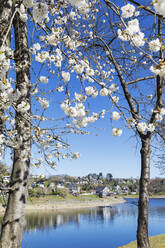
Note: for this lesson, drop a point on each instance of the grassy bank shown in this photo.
(81, 201)
(155, 242)
(68, 197)
(52, 202)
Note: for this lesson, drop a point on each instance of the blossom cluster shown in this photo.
(159, 69)
(5, 53)
(82, 5)
(159, 6)
(128, 10)
(132, 33)
(155, 45)
(142, 127)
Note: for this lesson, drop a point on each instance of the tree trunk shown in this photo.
(142, 232)
(13, 221)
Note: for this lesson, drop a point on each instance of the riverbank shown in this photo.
(155, 242)
(83, 202)
(58, 203)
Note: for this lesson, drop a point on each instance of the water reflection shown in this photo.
(47, 220)
(90, 227)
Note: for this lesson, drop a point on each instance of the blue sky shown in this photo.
(102, 152)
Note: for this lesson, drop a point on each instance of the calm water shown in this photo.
(106, 227)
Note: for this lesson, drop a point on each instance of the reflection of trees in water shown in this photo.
(157, 211)
(47, 220)
(127, 210)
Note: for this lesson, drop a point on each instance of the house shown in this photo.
(60, 185)
(5, 179)
(51, 185)
(133, 192)
(40, 185)
(74, 189)
(117, 188)
(102, 191)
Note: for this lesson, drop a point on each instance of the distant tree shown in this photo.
(109, 176)
(100, 176)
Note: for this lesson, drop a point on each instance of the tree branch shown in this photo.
(128, 96)
(140, 79)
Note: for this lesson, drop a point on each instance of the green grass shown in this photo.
(155, 242)
(69, 197)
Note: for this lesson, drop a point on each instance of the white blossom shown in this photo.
(43, 102)
(44, 79)
(95, 93)
(115, 116)
(159, 69)
(158, 117)
(60, 89)
(82, 5)
(151, 127)
(23, 107)
(40, 12)
(138, 39)
(89, 71)
(162, 111)
(132, 33)
(115, 99)
(104, 92)
(113, 88)
(116, 132)
(2, 138)
(128, 10)
(133, 27)
(76, 155)
(42, 57)
(89, 90)
(65, 76)
(142, 126)
(78, 68)
(155, 45)
(159, 6)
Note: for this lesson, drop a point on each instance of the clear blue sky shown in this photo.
(102, 153)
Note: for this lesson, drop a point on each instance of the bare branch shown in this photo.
(122, 80)
(140, 79)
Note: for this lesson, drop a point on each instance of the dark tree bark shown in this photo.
(13, 221)
(142, 232)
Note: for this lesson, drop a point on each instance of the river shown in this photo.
(107, 227)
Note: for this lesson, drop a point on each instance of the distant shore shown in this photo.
(56, 205)
(53, 204)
